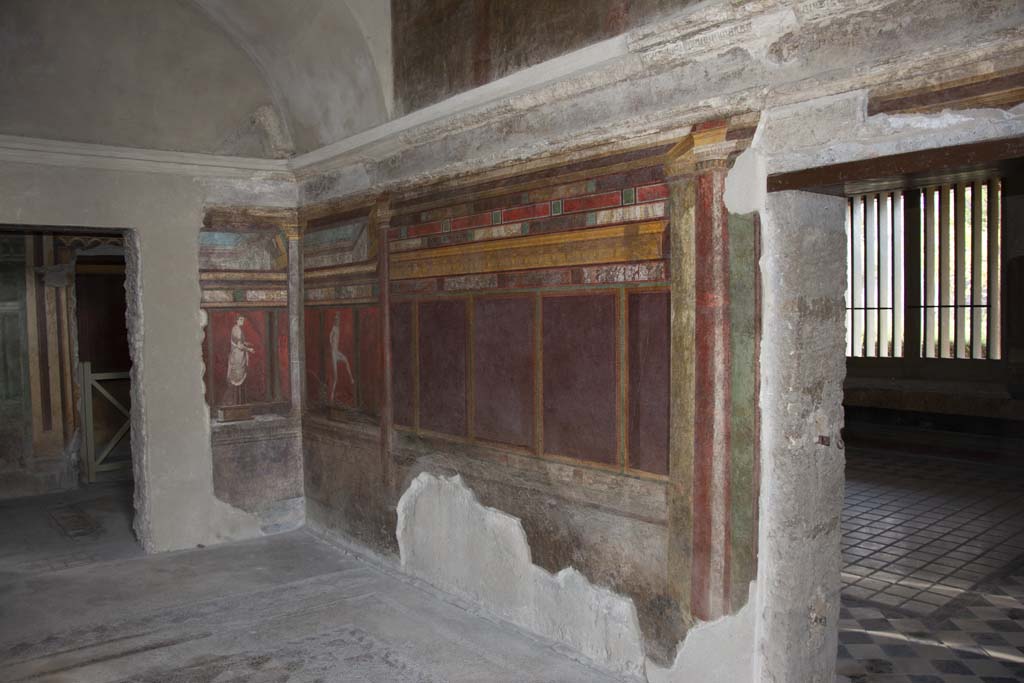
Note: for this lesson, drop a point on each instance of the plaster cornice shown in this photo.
(17, 149)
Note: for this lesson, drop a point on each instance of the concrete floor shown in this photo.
(81, 603)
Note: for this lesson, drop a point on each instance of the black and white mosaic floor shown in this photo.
(933, 578)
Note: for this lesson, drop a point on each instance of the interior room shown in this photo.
(459, 340)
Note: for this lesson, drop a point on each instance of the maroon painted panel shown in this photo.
(314, 356)
(102, 334)
(402, 364)
(580, 377)
(503, 370)
(649, 377)
(240, 360)
(281, 329)
(442, 358)
(370, 366)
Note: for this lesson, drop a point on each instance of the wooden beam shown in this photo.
(912, 169)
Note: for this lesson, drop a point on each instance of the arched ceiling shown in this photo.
(318, 58)
(262, 78)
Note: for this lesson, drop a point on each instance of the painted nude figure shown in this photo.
(238, 359)
(337, 356)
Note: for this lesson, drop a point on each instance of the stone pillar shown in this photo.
(701, 409)
(296, 342)
(802, 369)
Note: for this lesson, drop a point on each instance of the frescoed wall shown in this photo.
(257, 460)
(243, 262)
(532, 313)
(342, 321)
(529, 344)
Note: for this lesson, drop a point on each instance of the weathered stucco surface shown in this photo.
(802, 366)
(448, 539)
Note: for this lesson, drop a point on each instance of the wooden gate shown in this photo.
(112, 457)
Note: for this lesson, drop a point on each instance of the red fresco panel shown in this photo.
(580, 377)
(503, 370)
(281, 327)
(651, 193)
(314, 357)
(596, 201)
(442, 358)
(402, 364)
(247, 366)
(424, 229)
(526, 212)
(474, 221)
(649, 372)
(370, 366)
(337, 339)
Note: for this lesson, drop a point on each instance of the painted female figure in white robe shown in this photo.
(337, 357)
(238, 359)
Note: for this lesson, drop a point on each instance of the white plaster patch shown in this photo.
(447, 538)
(720, 650)
(746, 185)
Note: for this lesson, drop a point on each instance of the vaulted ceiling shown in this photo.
(264, 78)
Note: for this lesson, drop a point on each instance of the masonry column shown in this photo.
(803, 363)
(296, 348)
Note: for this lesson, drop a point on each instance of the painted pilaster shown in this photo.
(296, 343)
(712, 378)
(700, 505)
(380, 224)
(681, 176)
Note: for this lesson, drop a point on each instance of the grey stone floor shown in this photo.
(79, 602)
(933, 578)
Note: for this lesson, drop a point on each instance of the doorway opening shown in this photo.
(66, 396)
(932, 566)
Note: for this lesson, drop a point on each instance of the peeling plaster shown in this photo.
(447, 538)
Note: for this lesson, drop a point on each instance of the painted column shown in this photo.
(713, 381)
(296, 347)
(680, 173)
(700, 505)
(381, 223)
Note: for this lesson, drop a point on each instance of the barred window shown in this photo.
(924, 275)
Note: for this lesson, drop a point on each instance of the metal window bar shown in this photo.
(957, 314)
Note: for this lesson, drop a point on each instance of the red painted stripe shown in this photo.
(424, 229)
(475, 221)
(526, 212)
(594, 201)
(394, 234)
(651, 193)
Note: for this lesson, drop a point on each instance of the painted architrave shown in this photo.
(615, 244)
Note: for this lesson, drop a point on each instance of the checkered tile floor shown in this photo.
(933, 579)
